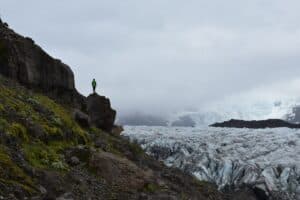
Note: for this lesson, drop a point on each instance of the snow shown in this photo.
(264, 158)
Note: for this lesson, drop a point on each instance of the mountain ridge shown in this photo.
(256, 124)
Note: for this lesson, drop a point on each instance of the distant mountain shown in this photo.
(269, 123)
(184, 121)
(139, 119)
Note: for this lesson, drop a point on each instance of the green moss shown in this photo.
(115, 145)
(54, 132)
(60, 146)
(63, 118)
(111, 144)
(206, 188)
(30, 190)
(135, 149)
(20, 109)
(2, 108)
(45, 157)
(60, 113)
(13, 102)
(56, 120)
(3, 124)
(184, 196)
(37, 155)
(11, 173)
(19, 131)
(151, 188)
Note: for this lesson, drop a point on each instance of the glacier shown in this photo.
(264, 159)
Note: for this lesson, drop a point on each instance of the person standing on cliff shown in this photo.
(94, 85)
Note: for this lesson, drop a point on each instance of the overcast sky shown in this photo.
(167, 55)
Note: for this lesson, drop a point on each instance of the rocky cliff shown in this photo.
(100, 112)
(24, 61)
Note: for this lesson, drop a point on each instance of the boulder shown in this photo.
(81, 118)
(66, 196)
(52, 183)
(101, 143)
(81, 153)
(37, 131)
(117, 130)
(74, 161)
(100, 112)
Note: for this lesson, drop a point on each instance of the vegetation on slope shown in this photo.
(39, 128)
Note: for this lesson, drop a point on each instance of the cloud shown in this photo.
(163, 56)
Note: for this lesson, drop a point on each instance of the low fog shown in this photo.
(163, 57)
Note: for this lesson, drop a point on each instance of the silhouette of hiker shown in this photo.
(94, 85)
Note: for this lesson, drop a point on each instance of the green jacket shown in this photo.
(94, 83)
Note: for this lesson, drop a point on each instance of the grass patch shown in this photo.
(12, 174)
(44, 156)
(3, 124)
(18, 105)
(62, 118)
(135, 149)
(18, 131)
(151, 188)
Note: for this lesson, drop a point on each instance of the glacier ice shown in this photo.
(268, 159)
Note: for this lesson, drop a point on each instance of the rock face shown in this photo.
(81, 118)
(270, 123)
(294, 117)
(100, 112)
(22, 60)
